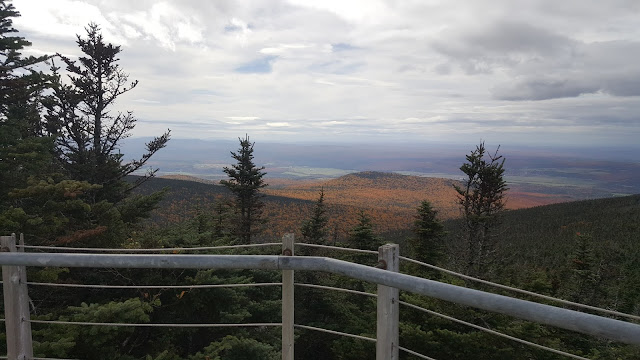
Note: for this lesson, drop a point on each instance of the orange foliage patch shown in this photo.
(389, 199)
(390, 192)
(80, 235)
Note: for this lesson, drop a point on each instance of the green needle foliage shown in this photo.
(428, 243)
(88, 130)
(481, 199)
(35, 198)
(314, 229)
(362, 235)
(245, 182)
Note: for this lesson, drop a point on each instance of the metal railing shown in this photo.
(387, 277)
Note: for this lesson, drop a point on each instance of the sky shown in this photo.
(503, 71)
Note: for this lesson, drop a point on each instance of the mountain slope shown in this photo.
(371, 189)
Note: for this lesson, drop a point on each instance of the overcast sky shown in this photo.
(531, 72)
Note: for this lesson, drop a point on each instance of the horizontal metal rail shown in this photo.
(493, 332)
(190, 287)
(157, 250)
(521, 291)
(545, 314)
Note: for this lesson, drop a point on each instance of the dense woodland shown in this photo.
(64, 183)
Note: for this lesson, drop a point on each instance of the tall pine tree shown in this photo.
(35, 199)
(362, 235)
(88, 133)
(245, 181)
(314, 229)
(426, 245)
(23, 151)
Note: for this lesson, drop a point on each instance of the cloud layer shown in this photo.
(460, 70)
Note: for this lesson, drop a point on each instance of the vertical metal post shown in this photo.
(287, 301)
(387, 334)
(16, 306)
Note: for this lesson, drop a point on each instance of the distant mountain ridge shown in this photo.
(562, 174)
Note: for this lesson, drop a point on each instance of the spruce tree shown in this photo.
(426, 245)
(362, 235)
(35, 199)
(23, 151)
(314, 229)
(585, 271)
(245, 181)
(20, 81)
(88, 131)
(88, 134)
(481, 199)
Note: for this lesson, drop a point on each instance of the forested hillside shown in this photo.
(583, 251)
(535, 245)
(541, 247)
(389, 198)
(285, 209)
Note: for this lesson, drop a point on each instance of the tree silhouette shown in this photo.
(314, 229)
(481, 198)
(245, 182)
(89, 133)
(426, 245)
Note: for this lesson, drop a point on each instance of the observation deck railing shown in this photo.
(18, 323)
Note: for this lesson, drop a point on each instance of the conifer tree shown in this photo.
(426, 245)
(88, 131)
(69, 184)
(20, 81)
(245, 181)
(23, 152)
(584, 269)
(88, 134)
(362, 235)
(314, 229)
(34, 198)
(481, 198)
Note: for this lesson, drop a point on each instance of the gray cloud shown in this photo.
(501, 44)
(623, 85)
(601, 67)
(443, 69)
(542, 89)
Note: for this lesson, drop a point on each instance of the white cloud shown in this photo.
(410, 69)
(284, 48)
(63, 18)
(357, 11)
(162, 22)
(145, 101)
(241, 118)
(324, 82)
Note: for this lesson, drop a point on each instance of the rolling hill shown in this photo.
(389, 198)
(535, 245)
